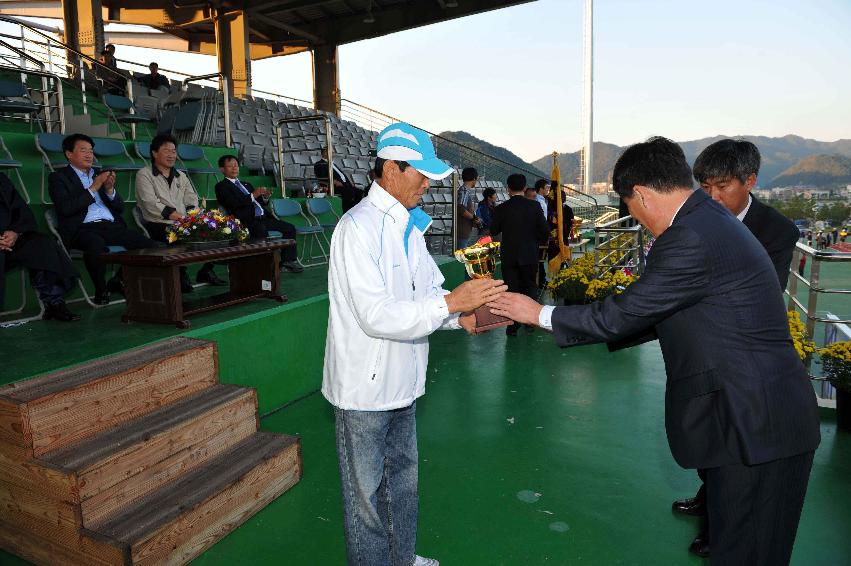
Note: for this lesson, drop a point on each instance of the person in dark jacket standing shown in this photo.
(523, 228)
(727, 171)
(738, 402)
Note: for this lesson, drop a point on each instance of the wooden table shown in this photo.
(152, 279)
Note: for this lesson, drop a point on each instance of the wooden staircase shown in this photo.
(138, 458)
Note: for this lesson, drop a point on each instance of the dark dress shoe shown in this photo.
(208, 276)
(59, 312)
(700, 545)
(292, 266)
(102, 298)
(692, 506)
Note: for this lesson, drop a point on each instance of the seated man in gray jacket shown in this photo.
(164, 195)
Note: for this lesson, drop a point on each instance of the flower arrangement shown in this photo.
(583, 281)
(803, 345)
(837, 364)
(206, 226)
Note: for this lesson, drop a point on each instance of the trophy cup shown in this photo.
(480, 262)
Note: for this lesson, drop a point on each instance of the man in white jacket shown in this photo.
(386, 297)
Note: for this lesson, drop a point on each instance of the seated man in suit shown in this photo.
(727, 170)
(738, 403)
(523, 227)
(245, 202)
(164, 195)
(88, 209)
(349, 194)
(21, 245)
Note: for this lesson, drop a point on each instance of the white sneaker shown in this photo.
(422, 561)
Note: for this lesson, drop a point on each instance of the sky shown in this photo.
(513, 77)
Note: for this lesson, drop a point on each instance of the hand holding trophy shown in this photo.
(480, 263)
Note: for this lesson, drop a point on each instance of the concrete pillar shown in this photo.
(84, 26)
(234, 52)
(326, 79)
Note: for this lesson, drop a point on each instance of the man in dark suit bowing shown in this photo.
(738, 403)
(727, 171)
(522, 227)
(245, 202)
(88, 209)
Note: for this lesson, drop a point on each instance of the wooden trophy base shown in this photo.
(486, 320)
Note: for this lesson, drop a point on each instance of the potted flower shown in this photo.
(204, 229)
(803, 345)
(836, 360)
(571, 283)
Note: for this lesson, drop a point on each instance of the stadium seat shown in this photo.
(9, 162)
(15, 99)
(291, 211)
(119, 109)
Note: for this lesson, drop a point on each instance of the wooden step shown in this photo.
(61, 408)
(120, 466)
(181, 520)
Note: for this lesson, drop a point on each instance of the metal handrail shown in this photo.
(620, 226)
(817, 257)
(225, 98)
(328, 145)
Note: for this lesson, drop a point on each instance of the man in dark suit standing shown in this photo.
(88, 209)
(523, 227)
(727, 171)
(245, 202)
(738, 403)
(343, 186)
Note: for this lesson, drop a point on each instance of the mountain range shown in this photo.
(787, 160)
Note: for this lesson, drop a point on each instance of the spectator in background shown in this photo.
(21, 245)
(89, 213)
(802, 264)
(164, 195)
(523, 227)
(155, 80)
(484, 212)
(465, 215)
(535, 194)
(343, 186)
(114, 80)
(245, 202)
(111, 61)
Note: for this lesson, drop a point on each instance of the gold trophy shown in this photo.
(480, 262)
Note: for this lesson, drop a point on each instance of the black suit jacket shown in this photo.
(71, 201)
(737, 391)
(523, 227)
(776, 233)
(349, 194)
(238, 203)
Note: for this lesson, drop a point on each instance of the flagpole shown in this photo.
(588, 154)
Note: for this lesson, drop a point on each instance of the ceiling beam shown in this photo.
(284, 27)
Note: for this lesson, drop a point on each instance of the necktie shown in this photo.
(258, 210)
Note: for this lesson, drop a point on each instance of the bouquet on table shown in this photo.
(201, 225)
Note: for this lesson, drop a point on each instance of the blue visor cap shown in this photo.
(403, 142)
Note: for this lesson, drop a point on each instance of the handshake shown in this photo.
(494, 296)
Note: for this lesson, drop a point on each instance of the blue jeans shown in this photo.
(377, 451)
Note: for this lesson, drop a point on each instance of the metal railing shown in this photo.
(279, 133)
(51, 86)
(621, 243)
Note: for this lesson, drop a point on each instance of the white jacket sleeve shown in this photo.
(377, 311)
